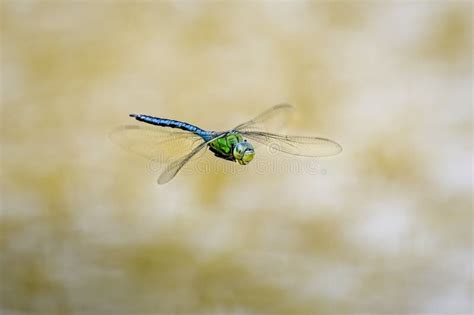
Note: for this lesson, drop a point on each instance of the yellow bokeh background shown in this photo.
(384, 227)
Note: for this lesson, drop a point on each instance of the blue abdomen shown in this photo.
(163, 122)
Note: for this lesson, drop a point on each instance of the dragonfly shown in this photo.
(174, 143)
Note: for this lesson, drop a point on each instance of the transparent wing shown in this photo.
(155, 143)
(295, 145)
(271, 120)
(173, 168)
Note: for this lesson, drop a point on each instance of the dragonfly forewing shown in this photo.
(296, 145)
(271, 120)
(175, 166)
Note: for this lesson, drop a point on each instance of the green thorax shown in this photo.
(224, 146)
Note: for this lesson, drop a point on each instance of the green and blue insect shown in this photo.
(177, 147)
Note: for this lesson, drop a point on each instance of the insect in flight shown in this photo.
(178, 146)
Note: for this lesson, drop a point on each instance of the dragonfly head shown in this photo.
(244, 152)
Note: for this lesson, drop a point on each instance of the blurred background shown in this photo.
(384, 227)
